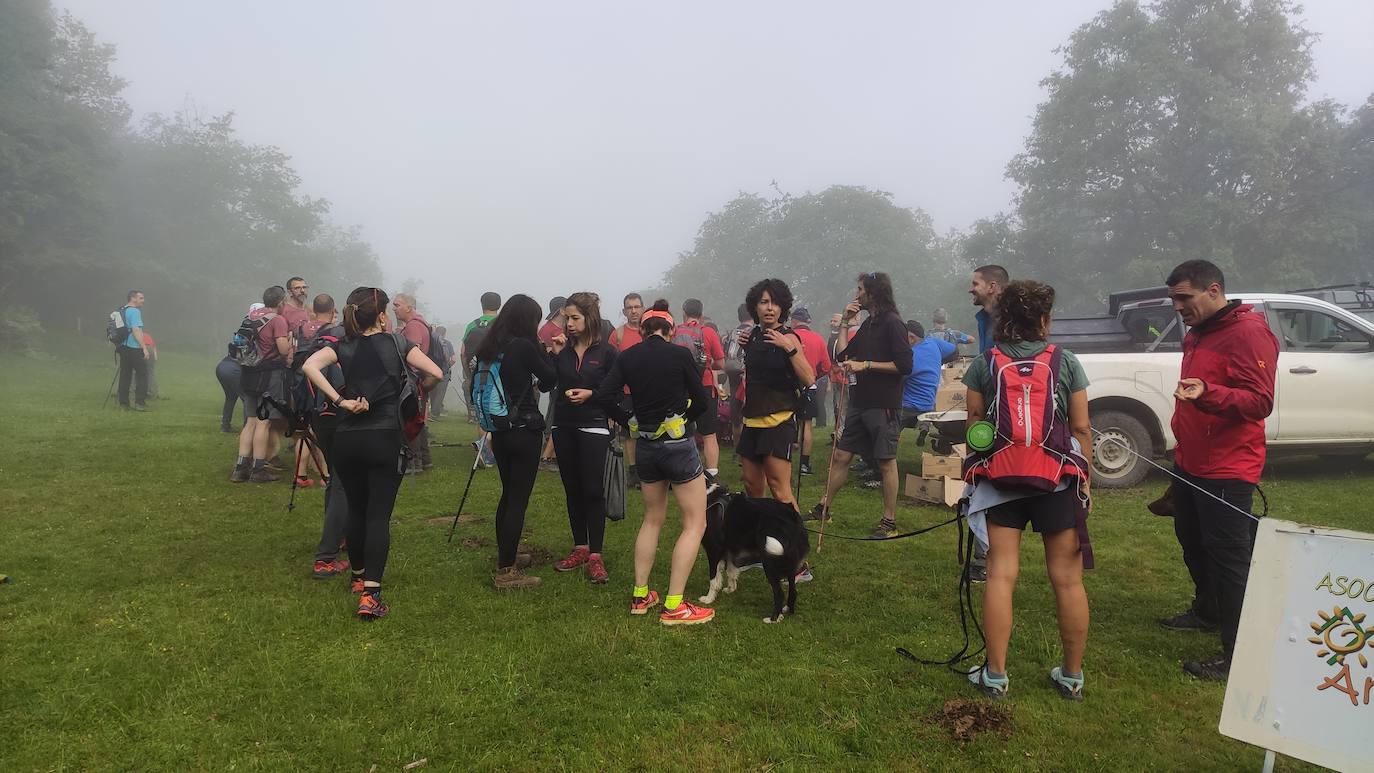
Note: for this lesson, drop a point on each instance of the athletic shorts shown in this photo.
(871, 433)
(758, 443)
(706, 422)
(266, 383)
(675, 461)
(808, 407)
(1046, 513)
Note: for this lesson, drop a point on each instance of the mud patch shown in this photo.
(966, 719)
(474, 542)
(445, 520)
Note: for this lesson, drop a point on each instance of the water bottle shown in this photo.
(852, 379)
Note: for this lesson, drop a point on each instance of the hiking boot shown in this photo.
(1213, 669)
(371, 606)
(355, 586)
(884, 529)
(262, 475)
(1069, 688)
(977, 574)
(641, 606)
(241, 473)
(576, 558)
(512, 578)
(993, 688)
(1188, 621)
(806, 468)
(596, 570)
(140, 407)
(818, 513)
(873, 484)
(326, 569)
(686, 613)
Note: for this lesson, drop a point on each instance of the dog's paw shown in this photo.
(707, 599)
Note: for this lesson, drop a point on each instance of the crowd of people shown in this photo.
(674, 389)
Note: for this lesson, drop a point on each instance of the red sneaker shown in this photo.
(356, 586)
(641, 606)
(576, 558)
(596, 570)
(686, 614)
(326, 569)
(303, 481)
(371, 606)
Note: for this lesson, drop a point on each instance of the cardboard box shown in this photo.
(950, 397)
(938, 490)
(933, 466)
(953, 373)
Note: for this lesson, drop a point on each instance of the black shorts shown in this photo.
(675, 461)
(758, 443)
(871, 433)
(809, 405)
(706, 422)
(1046, 513)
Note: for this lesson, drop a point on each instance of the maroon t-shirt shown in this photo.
(417, 332)
(276, 327)
(294, 317)
(549, 332)
(311, 328)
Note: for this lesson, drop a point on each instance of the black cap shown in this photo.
(556, 305)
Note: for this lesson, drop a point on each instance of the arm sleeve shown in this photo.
(1250, 396)
(539, 364)
(715, 353)
(898, 345)
(946, 348)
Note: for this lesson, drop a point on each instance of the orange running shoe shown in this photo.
(371, 606)
(357, 585)
(326, 569)
(686, 614)
(642, 606)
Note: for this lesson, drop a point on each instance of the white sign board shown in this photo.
(1302, 678)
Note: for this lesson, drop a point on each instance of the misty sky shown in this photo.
(553, 147)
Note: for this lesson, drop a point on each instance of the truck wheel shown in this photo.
(1117, 438)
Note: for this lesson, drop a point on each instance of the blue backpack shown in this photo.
(489, 398)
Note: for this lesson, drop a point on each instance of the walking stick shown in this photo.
(115, 378)
(840, 414)
(476, 460)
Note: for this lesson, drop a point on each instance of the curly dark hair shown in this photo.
(777, 290)
(1021, 310)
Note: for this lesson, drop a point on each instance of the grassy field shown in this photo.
(160, 618)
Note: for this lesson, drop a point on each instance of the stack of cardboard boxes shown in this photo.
(941, 479)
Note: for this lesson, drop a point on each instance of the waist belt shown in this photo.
(673, 428)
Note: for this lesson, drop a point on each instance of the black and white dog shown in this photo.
(741, 531)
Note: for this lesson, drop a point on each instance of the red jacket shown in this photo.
(1221, 434)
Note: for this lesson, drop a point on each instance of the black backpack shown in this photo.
(117, 329)
(243, 346)
(436, 350)
(307, 399)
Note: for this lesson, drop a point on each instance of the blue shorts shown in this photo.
(675, 461)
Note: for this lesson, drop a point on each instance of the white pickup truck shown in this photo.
(1324, 395)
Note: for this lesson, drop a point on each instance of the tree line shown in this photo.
(179, 206)
(1172, 130)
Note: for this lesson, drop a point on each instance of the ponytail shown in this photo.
(365, 305)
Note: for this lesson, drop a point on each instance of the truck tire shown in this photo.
(1113, 465)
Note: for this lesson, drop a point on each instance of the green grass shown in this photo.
(160, 618)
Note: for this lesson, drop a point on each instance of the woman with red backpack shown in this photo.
(1029, 401)
(367, 451)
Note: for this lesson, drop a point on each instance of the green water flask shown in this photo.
(981, 435)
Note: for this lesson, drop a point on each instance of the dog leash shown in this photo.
(1263, 499)
(955, 519)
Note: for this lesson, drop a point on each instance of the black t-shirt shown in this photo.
(371, 368)
(522, 362)
(880, 339)
(662, 378)
(587, 374)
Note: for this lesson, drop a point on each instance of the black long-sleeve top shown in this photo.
(523, 360)
(585, 373)
(662, 378)
(880, 339)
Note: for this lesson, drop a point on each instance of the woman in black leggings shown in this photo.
(513, 343)
(581, 434)
(368, 442)
(230, 376)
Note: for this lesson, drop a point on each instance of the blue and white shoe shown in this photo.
(1069, 688)
(993, 688)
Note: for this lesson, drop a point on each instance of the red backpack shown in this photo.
(1032, 448)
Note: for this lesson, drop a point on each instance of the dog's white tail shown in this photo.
(772, 547)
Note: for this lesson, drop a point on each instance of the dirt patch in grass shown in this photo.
(445, 520)
(965, 719)
(474, 542)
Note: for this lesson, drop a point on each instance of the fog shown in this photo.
(545, 148)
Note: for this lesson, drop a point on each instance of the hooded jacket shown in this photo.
(1221, 434)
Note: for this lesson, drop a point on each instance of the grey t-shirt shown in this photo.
(1071, 375)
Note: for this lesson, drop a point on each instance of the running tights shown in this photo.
(517, 460)
(365, 462)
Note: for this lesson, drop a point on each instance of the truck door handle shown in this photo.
(1303, 371)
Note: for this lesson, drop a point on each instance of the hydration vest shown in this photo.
(1032, 449)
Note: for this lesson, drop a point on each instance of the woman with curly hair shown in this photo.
(1044, 485)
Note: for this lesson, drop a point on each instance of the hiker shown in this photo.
(817, 354)
(581, 432)
(472, 338)
(623, 338)
(436, 400)
(296, 312)
(415, 329)
(734, 370)
(367, 451)
(704, 345)
(940, 329)
(1225, 391)
(985, 287)
(1003, 501)
(133, 355)
(928, 353)
(324, 421)
(513, 348)
(265, 391)
(229, 375)
(322, 316)
(666, 393)
(151, 363)
(879, 358)
(551, 329)
(775, 372)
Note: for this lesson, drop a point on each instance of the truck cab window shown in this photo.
(1310, 330)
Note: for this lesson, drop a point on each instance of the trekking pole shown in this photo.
(840, 412)
(113, 379)
(476, 460)
(302, 443)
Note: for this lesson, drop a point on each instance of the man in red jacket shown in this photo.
(1225, 391)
